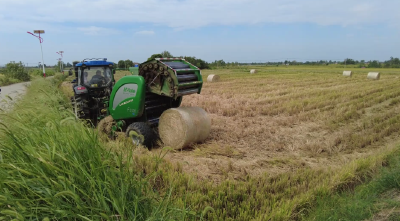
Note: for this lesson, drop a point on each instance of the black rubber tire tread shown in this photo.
(144, 129)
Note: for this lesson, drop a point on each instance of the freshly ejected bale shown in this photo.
(212, 78)
(373, 75)
(182, 126)
(253, 71)
(347, 73)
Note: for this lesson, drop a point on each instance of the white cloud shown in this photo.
(94, 30)
(145, 33)
(199, 13)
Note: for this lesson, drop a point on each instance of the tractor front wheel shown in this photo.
(141, 133)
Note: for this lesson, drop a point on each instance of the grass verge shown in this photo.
(33, 73)
(379, 197)
(4, 81)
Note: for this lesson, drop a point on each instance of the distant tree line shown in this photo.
(166, 54)
(392, 63)
(125, 64)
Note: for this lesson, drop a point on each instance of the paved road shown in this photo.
(14, 91)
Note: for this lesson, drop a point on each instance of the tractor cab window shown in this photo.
(96, 76)
(79, 76)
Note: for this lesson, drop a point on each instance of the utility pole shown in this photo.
(62, 65)
(40, 41)
(59, 63)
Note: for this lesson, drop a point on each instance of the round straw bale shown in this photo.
(183, 126)
(213, 78)
(373, 75)
(347, 73)
(253, 71)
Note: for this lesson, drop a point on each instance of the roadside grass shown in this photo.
(54, 167)
(33, 73)
(367, 200)
(4, 81)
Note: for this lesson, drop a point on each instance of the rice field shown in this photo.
(284, 137)
(285, 119)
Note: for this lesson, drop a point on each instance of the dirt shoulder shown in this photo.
(12, 91)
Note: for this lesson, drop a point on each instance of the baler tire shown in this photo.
(142, 129)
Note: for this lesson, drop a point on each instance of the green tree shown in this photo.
(349, 61)
(374, 64)
(166, 54)
(197, 62)
(128, 63)
(121, 64)
(392, 63)
(57, 67)
(154, 56)
(16, 71)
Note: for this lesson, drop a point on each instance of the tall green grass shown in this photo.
(52, 166)
(39, 72)
(365, 200)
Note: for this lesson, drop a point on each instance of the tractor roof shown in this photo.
(93, 62)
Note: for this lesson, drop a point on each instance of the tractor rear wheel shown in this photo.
(141, 133)
(76, 105)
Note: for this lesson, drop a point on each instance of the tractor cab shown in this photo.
(95, 74)
(92, 89)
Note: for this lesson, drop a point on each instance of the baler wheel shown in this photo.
(141, 133)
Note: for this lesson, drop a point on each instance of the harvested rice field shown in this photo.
(286, 118)
(280, 140)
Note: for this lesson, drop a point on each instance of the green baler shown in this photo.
(138, 100)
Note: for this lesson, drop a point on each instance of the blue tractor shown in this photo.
(92, 89)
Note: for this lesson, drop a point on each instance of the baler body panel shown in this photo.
(127, 98)
(171, 77)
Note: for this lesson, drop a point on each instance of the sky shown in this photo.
(232, 30)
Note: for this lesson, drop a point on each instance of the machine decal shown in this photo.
(131, 110)
(123, 93)
(126, 102)
(129, 91)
